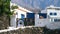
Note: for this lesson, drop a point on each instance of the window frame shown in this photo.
(54, 20)
(51, 13)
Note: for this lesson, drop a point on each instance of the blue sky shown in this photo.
(41, 4)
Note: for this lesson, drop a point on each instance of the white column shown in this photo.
(36, 19)
(13, 21)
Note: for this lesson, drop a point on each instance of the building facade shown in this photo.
(19, 14)
(53, 13)
(50, 18)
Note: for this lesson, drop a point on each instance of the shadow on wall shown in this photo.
(29, 22)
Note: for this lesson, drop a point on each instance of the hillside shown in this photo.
(39, 4)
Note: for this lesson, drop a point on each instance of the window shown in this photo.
(55, 13)
(56, 20)
(22, 16)
(52, 20)
(42, 15)
(51, 13)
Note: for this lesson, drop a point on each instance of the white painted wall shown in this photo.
(52, 24)
(18, 15)
(13, 21)
(53, 11)
(47, 22)
(20, 10)
(40, 22)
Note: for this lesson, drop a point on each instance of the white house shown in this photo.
(53, 13)
(49, 17)
(19, 13)
(53, 18)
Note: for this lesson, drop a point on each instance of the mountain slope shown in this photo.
(40, 4)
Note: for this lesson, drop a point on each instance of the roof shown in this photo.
(21, 8)
(53, 7)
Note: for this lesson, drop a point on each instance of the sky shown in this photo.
(40, 4)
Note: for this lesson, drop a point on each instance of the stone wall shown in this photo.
(24, 31)
(4, 22)
(33, 30)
